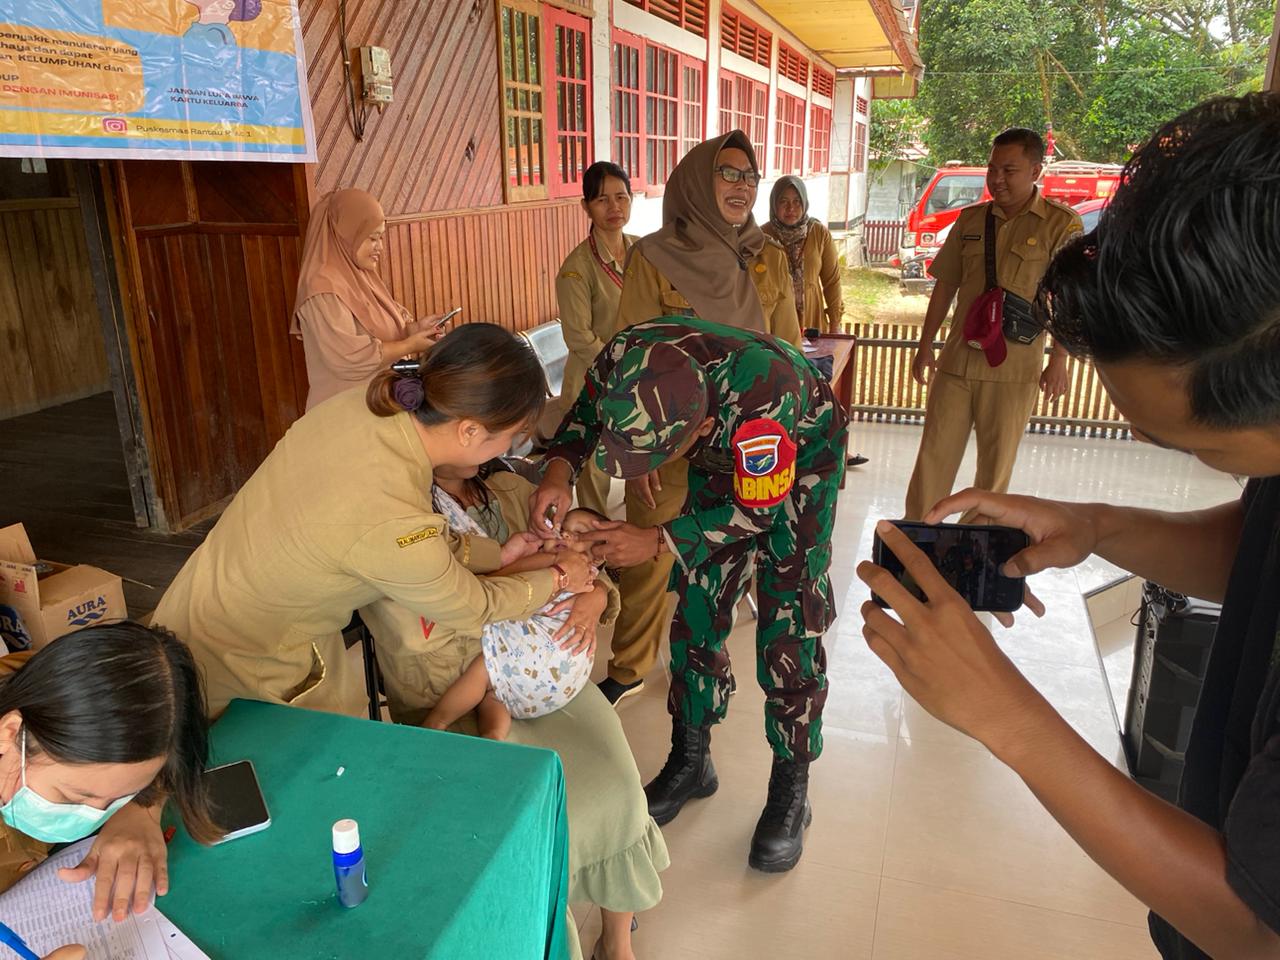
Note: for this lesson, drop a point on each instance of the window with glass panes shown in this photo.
(661, 112)
(628, 89)
(520, 26)
(659, 104)
(819, 139)
(693, 125)
(789, 142)
(748, 112)
(568, 63)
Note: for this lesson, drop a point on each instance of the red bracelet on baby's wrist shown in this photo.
(562, 577)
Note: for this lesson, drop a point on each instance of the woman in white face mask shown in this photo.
(97, 730)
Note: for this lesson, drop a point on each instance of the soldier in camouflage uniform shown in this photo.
(765, 442)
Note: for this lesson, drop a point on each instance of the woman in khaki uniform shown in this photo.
(350, 325)
(588, 289)
(99, 729)
(709, 260)
(616, 851)
(812, 260)
(339, 515)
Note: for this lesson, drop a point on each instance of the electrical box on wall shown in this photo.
(375, 75)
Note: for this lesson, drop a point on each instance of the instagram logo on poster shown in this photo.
(115, 125)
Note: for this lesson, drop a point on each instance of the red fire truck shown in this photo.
(955, 186)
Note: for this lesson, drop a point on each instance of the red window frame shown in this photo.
(661, 112)
(819, 139)
(749, 110)
(824, 82)
(567, 76)
(659, 98)
(862, 106)
(688, 15)
(792, 64)
(789, 142)
(745, 37)
(693, 102)
(859, 147)
(627, 87)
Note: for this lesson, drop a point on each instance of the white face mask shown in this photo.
(51, 822)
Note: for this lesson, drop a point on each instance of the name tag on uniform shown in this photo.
(409, 539)
(972, 236)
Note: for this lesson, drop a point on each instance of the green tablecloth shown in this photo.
(465, 843)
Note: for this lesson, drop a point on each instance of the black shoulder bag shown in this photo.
(1019, 320)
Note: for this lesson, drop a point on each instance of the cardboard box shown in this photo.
(38, 607)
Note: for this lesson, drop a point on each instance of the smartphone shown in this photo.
(968, 556)
(448, 316)
(238, 807)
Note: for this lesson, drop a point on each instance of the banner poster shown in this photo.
(154, 79)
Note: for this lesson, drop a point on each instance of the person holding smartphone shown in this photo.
(1175, 296)
(350, 325)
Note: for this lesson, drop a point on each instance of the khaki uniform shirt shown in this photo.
(823, 295)
(340, 353)
(1024, 246)
(19, 854)
(588, 301)
(647, 294)
(426, 658)
(338, 515)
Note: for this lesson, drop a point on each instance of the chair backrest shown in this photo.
(547, 340)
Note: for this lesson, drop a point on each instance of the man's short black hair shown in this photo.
(1183, 265)
(1031, 142)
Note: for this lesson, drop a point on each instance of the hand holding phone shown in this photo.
(447, 317)
(969, 557)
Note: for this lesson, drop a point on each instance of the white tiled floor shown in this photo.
(923, 846)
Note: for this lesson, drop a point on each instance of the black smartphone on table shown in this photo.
(969, 557)
(235, 798)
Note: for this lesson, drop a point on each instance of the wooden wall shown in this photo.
(217, 248)
(499, 265)
(437, 147)
(433, 159)
(51, 347)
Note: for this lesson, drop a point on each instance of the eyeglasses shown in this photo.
(733, 175)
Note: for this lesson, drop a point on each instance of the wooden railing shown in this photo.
(881, 238)
(884, 390)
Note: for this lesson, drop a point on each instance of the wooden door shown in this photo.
(211, 255)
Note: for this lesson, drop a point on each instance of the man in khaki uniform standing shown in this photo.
(966, 393)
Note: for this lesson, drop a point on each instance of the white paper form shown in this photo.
(49, 913)
(178, 943)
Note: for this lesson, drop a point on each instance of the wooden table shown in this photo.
(840, 347)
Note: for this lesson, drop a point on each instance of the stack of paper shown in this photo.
(49, 913)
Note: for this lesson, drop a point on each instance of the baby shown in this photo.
(522, 670)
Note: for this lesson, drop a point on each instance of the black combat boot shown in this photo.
(688, 773)
(779, 838)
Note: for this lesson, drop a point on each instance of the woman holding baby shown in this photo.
(341, 515)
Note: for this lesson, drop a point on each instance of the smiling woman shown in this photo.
(350, 325)
(709, 260)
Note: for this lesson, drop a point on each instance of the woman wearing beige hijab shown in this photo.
(349, 324)
(709, 260)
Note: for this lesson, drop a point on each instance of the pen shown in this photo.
(16, 944)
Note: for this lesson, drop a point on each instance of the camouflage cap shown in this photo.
(652, 401)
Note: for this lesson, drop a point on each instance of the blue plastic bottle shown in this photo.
(348, 864)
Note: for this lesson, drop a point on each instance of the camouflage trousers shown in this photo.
(790, 562)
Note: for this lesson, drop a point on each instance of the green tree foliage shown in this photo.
(1104, 73)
